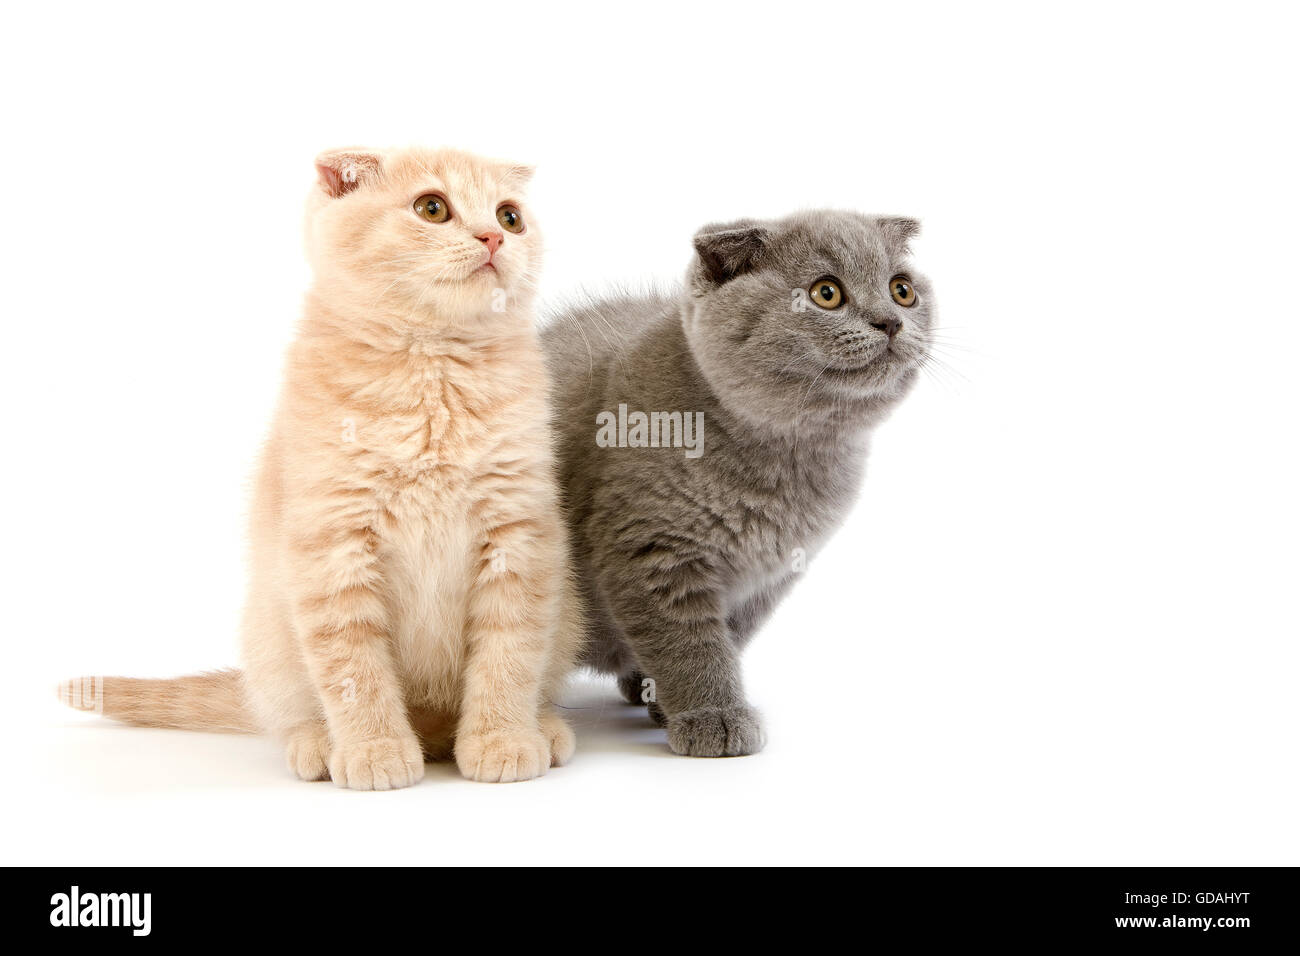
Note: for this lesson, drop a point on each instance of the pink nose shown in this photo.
(492, 240)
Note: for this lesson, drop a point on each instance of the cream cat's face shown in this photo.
(441, 232)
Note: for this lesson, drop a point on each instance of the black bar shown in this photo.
(1227, 909)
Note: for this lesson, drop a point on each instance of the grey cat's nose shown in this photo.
(889, 326)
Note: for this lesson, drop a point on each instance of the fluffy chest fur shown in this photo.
(416, 427)
(408, 442)
(754, 516)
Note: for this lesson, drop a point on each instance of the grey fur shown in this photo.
(681, 559)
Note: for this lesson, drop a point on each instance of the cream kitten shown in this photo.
(410, 586)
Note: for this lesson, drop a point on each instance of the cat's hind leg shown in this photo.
(630, 685)
(559, 735)
(280, 691)
(636, 688)
(307, 750)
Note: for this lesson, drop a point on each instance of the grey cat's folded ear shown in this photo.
(899, 230)
(727, 251)
(342, 170)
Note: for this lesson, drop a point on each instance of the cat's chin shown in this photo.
(488, 274)
(484, 287)
(485, 276)
(877, 362)
(881, 372)
(481, 302)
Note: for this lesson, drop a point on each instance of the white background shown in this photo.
(1060, 627)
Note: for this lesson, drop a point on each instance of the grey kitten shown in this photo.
(792, 339)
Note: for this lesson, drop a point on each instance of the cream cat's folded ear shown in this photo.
(518, 174)
(342, 170)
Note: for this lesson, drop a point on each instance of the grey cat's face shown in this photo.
(791, 316)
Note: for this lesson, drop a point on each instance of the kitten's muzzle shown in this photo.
(890, 325)
(492, 239)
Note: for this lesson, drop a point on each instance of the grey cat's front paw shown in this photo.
(715, 732)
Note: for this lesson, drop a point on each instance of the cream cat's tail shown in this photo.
(213, 701)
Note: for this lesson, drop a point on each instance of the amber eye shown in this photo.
(433, 208)
(827, 293)
(511, 218)
(901, 289)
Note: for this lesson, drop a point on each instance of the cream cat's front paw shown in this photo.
(715, 732)
(380, 763)
(503, 756)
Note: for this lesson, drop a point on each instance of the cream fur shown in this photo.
(409, 589)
